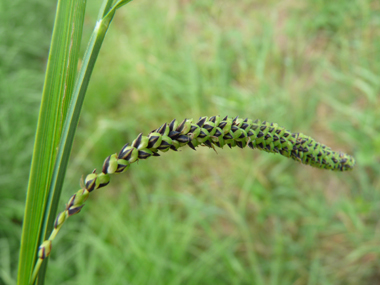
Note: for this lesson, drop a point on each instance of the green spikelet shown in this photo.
(210, 132)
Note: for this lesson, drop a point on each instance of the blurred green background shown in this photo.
(236, 217)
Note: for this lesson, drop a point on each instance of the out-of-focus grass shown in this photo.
(236, 217)
(25, 29)
(239, 216)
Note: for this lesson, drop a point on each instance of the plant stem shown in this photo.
(71, 123)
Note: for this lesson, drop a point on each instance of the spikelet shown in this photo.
(210, 132)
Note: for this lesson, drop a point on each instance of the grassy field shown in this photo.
(232, 217)
(25, 29)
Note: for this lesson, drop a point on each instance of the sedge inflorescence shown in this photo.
(212, 132)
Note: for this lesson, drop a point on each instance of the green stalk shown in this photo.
(58, 86)
(71, 124)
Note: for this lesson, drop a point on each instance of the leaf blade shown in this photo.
(56, 95)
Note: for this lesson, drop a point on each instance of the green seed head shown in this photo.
(175, 145)
(91, 182)
(218, 119)
(165, 144)
(204, 135)
(103, 179)
(144, 153)
(44, 249)
(122, 165)
(186, 127)
(228, 126)
(210, 127)
(80, 197)
(61, 218)
(155, 140)
(73, 210)
(128, 153)
(110, 164)
(173, 125)
(208, 132)
(140, 142)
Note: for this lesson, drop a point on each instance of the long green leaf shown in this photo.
(59, 82)
(105, 17)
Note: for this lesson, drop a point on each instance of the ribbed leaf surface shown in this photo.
(58, 86)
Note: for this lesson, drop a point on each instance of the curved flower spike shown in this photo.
(210, 132)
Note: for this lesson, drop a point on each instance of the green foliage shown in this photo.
(59, 115)
(25, 29)
(56, 97)
(234, 218)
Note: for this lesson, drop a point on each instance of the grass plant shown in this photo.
(236, 218)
